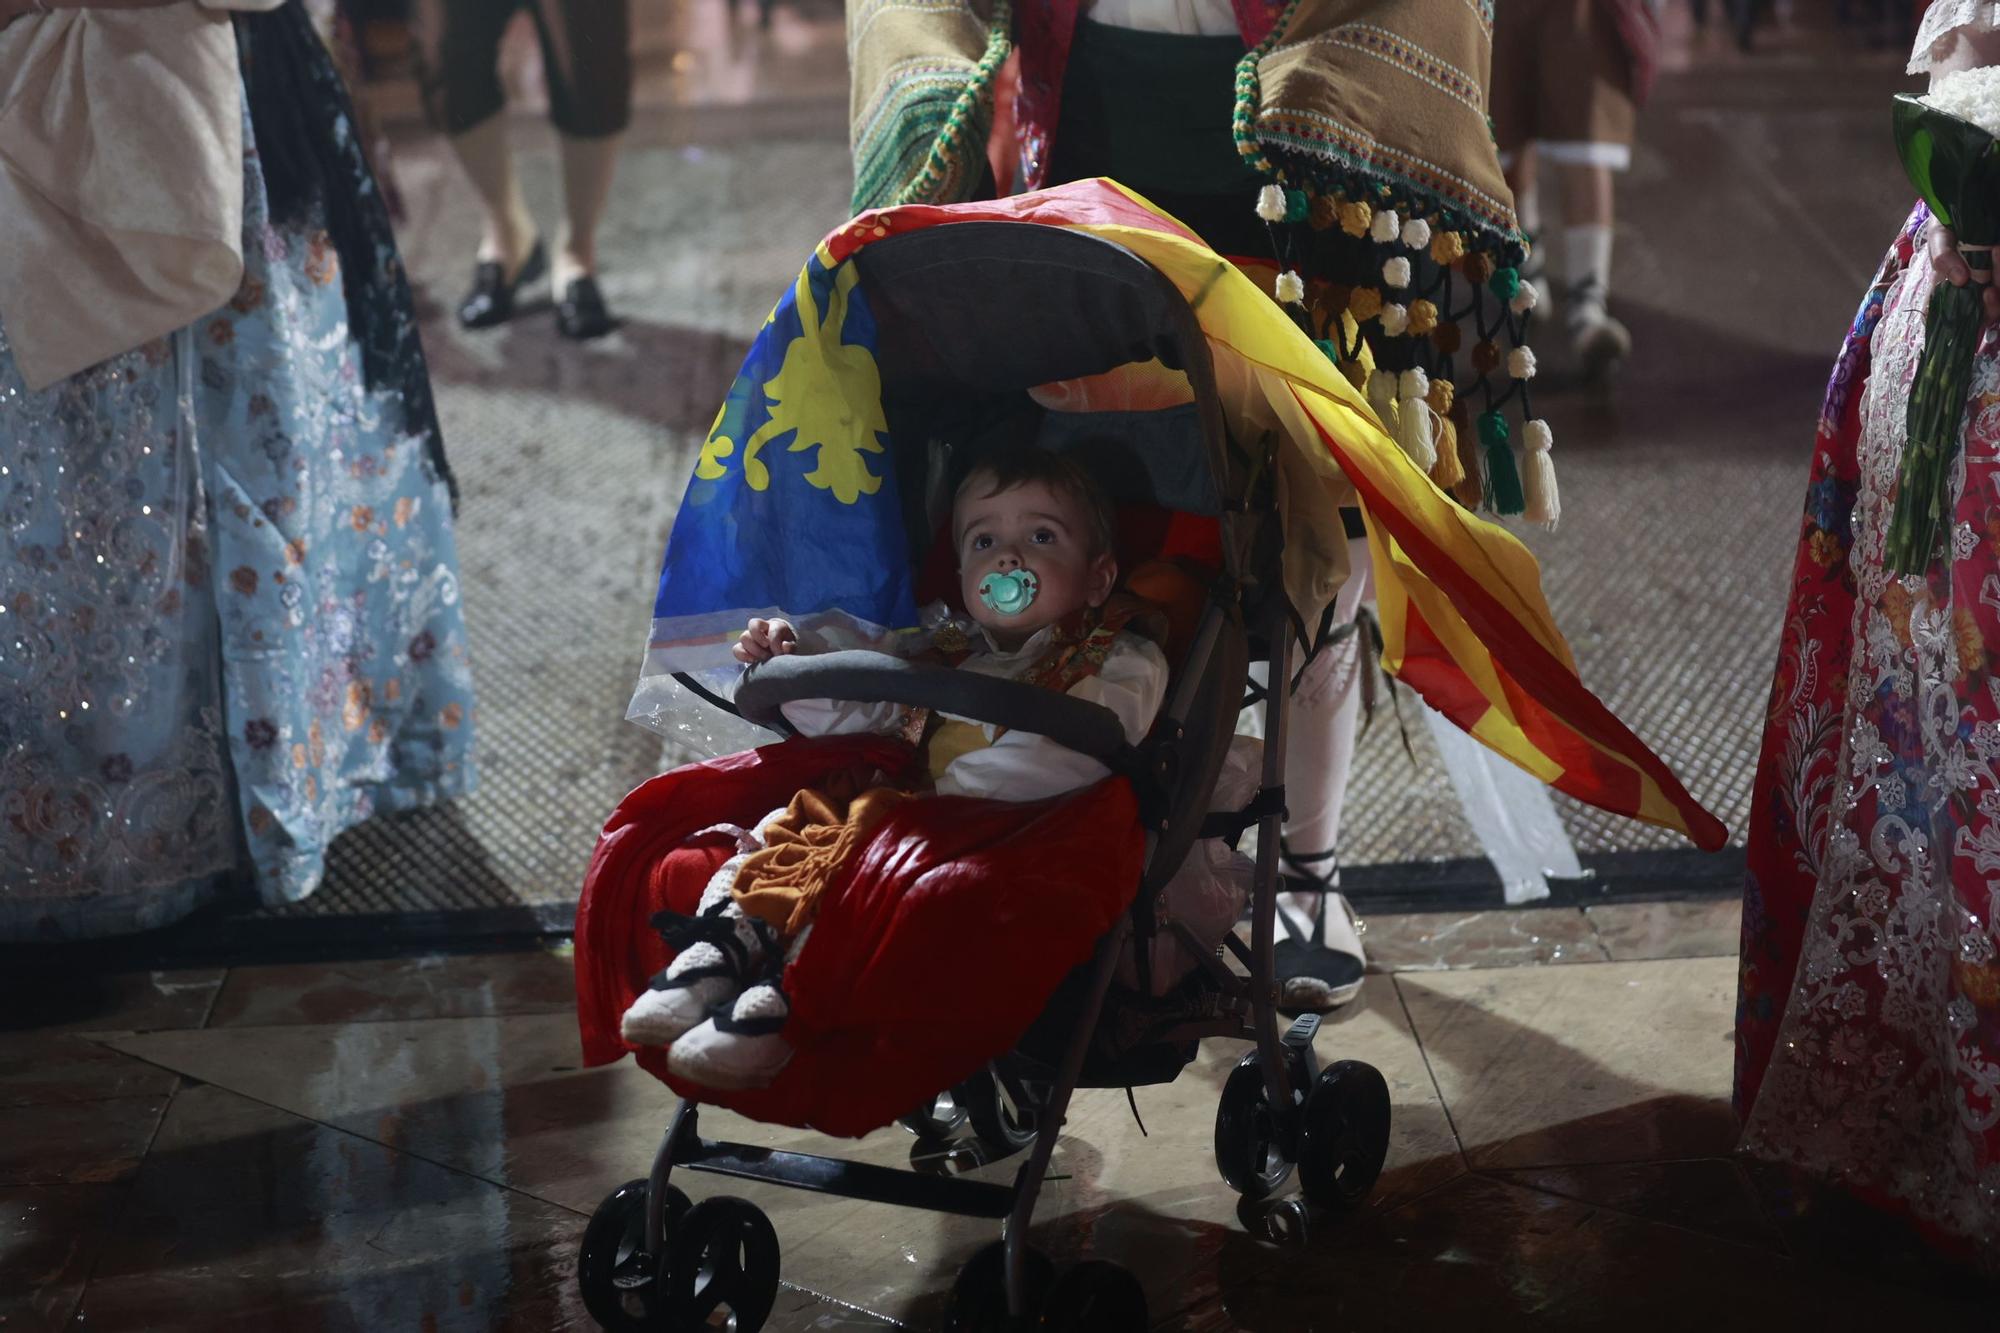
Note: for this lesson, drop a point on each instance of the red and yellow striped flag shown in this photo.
(1463, 617)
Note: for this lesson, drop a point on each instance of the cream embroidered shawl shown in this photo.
(121, 179)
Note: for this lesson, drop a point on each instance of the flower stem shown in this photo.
(1936, 413)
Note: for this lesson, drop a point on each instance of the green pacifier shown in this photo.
(1011, 593)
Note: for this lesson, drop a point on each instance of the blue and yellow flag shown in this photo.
(792, 509)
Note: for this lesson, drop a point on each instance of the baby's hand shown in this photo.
(764, 640)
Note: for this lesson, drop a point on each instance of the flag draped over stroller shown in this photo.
(795, 507)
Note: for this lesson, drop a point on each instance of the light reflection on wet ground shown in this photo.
(410, 1144)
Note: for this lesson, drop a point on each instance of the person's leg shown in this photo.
(1320, 959)
(507, 230)
(1326, 713)
(587, 46)
(458, 52)
(1591, 119)
(1601, 340)
(587, 167)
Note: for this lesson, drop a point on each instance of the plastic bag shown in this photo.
(1211, 889)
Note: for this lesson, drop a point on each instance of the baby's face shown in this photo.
(1029, 527)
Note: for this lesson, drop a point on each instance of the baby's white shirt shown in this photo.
(1020, 765)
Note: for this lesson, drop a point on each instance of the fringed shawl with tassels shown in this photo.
(1368, 99)
(1395, 233)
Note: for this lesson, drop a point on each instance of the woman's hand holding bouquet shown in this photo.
(1948, 144)
(1950, 266)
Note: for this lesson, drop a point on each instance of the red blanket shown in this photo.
(936, 952)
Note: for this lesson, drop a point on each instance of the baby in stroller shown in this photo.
(1032, 536)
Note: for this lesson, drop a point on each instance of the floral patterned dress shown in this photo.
(229, 602)
(1868, 1033)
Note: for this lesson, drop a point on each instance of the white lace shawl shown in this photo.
(1942, 24)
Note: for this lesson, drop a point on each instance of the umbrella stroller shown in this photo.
(1082, 320)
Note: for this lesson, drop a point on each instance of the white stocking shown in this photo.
(1319, 742)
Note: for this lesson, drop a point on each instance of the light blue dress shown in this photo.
(229, 606)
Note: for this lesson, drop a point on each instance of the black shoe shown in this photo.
(582, 314)
(1316, 975)
(491, 300)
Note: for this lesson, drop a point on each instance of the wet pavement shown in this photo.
(410, 1144)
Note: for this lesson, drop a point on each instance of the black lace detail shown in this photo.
(316, 174)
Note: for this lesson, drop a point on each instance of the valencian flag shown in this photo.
(794, 510)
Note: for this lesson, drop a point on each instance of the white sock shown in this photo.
(1586, 271)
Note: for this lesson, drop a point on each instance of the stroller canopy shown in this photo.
(810, 500)
(970, 319)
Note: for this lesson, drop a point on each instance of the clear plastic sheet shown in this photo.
(1212, 888)
(691, 728)
(696, 728)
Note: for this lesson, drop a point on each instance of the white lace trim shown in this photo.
(1942, 24)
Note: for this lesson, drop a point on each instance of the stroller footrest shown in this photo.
(849, 1180)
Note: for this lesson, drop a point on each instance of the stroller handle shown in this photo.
(860, 676)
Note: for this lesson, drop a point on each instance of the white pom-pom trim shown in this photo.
(1537, 438)
(1521, 363)
(1291, 288)
(1271, 204)
(1416, 233)
(1396, 272)
(1386, 225)
(1524, 300)
(1413, 383)
(1395, 319)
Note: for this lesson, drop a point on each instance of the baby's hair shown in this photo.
(1004, 469)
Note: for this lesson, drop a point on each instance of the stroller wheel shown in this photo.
(1345, 1137)
(613, 1270)
(979, 1296)
(1251, 1139)
(999, 1125)
(723, 1256)
(1096, 1296)
(937, 1118)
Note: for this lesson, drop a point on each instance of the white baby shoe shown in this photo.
(738, 1047)
(718, 949)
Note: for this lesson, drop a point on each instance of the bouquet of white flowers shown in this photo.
(1949, 141)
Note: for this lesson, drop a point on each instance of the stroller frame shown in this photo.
(1278, 1108)
(684, 1147)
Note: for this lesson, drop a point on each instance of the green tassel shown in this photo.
(1332, 352)
(1503, 476)
(1297, 206)
(1505, 284)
